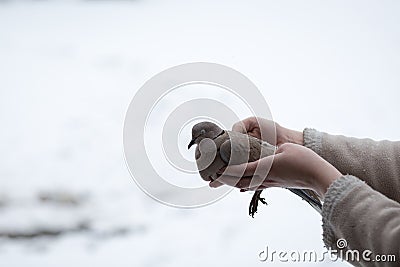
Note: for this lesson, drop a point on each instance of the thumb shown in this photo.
(240, 127)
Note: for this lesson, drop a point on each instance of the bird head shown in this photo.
(203, 130)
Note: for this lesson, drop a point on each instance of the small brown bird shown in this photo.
(217, 148)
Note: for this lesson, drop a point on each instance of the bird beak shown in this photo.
(191, 143)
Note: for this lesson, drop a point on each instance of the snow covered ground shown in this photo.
(68, 70)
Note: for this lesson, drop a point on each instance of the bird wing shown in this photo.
(225, 151)
(240, 148)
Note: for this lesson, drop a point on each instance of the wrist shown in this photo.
(325, 179)
(289, 136)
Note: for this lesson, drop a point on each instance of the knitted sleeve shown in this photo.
(358, 220)
(375, 162)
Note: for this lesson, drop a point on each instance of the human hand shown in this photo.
(293, 166)
(268, 131)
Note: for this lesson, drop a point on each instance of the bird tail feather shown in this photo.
(316, 204)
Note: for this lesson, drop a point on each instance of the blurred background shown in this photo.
(69, 69)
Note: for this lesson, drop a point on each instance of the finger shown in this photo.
(265, 129)
(255, 133)
(240, 127)
(215, 184)
(245, 169)
(265, 185)
(206, 178)
(260, 168)
(221, 171)
(243, 182)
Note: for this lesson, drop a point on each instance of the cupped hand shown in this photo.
(293, 166)
(268, 131)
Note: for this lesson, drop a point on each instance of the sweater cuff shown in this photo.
(313, 140)
(337, 191)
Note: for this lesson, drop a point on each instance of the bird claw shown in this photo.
(262, 200)
(253, 207)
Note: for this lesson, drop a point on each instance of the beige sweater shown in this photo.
(365, 211)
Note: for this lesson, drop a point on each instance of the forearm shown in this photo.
(366, 219)
(377, 163)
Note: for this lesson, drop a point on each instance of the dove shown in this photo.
(218, 148)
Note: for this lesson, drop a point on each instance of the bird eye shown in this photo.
(202, 131)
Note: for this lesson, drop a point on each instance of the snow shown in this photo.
(70, 68)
